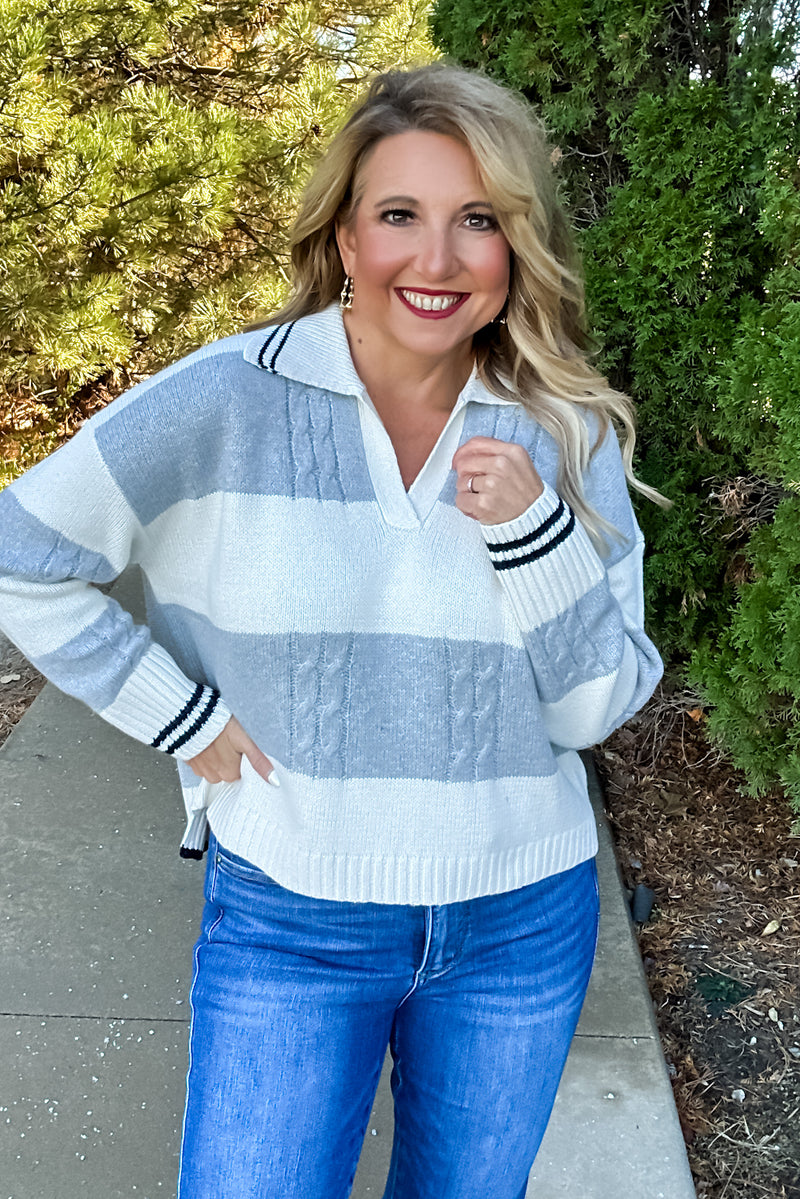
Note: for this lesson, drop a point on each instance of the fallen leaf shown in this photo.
(10, 678)
(696, 714)
(771, 928)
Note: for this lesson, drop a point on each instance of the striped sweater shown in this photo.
(420, 681)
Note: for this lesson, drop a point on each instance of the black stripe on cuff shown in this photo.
(179, 719)
(198, 724)
(496, 547)
(541, 550)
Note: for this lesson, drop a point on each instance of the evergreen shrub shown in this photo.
(150, 157)
(678, 137)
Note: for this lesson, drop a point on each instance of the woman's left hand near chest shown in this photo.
(496, 480)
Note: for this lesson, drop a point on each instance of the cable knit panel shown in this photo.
(333, 687)
(303, 676)
(460, 726)
(487, 674)
(313, 455)
(319, 689)
(573, 647)
(507, 428)
(306, 480)
(323, 445)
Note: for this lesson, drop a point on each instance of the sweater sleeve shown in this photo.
(581, 616)
(66, 527)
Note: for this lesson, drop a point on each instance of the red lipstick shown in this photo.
(431, 314)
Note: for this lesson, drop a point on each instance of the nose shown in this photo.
(437, 258)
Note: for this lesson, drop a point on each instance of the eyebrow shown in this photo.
(410, 201)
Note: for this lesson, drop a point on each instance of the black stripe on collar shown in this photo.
(286, 330)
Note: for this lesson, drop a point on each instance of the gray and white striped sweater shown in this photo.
(420, 681)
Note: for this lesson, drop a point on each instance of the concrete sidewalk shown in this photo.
(99, 918)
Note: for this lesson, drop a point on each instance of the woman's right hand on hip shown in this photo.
(221, 761)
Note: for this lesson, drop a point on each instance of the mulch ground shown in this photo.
(721, 950)
(19, 686)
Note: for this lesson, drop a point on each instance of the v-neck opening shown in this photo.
(408, 508)
(314, 351)
(428, 476)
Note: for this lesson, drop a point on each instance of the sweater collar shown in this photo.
(314, 350)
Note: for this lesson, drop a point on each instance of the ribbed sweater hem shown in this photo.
(406, 878)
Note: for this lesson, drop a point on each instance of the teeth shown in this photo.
(430, 303)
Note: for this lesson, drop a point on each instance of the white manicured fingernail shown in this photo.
(273, 779)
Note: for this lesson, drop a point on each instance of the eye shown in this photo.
(397, 216)
(481, 221)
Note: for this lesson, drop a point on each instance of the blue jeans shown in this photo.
(294, 1001)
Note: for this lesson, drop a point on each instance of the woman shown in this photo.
(393, 584)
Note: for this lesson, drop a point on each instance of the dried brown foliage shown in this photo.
(722, 951)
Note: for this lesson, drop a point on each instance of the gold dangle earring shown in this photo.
(500, 319)
(346, 298)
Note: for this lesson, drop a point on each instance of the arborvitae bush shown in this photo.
(678, 135)
(751, 672)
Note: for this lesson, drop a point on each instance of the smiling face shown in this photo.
(429, 263)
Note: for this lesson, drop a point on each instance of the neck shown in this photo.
(394, 375)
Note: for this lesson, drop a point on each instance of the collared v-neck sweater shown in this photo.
(420, 681)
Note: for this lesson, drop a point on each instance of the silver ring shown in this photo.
(469, 485)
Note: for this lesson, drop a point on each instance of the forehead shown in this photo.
(419, 159)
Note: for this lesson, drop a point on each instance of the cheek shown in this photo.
(489, 263)
(378, 258)
(496, 268)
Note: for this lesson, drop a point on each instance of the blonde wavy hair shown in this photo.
(539, 356)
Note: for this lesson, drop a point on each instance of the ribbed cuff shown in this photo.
(195, 838)
(543, 558)
(160, 706)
